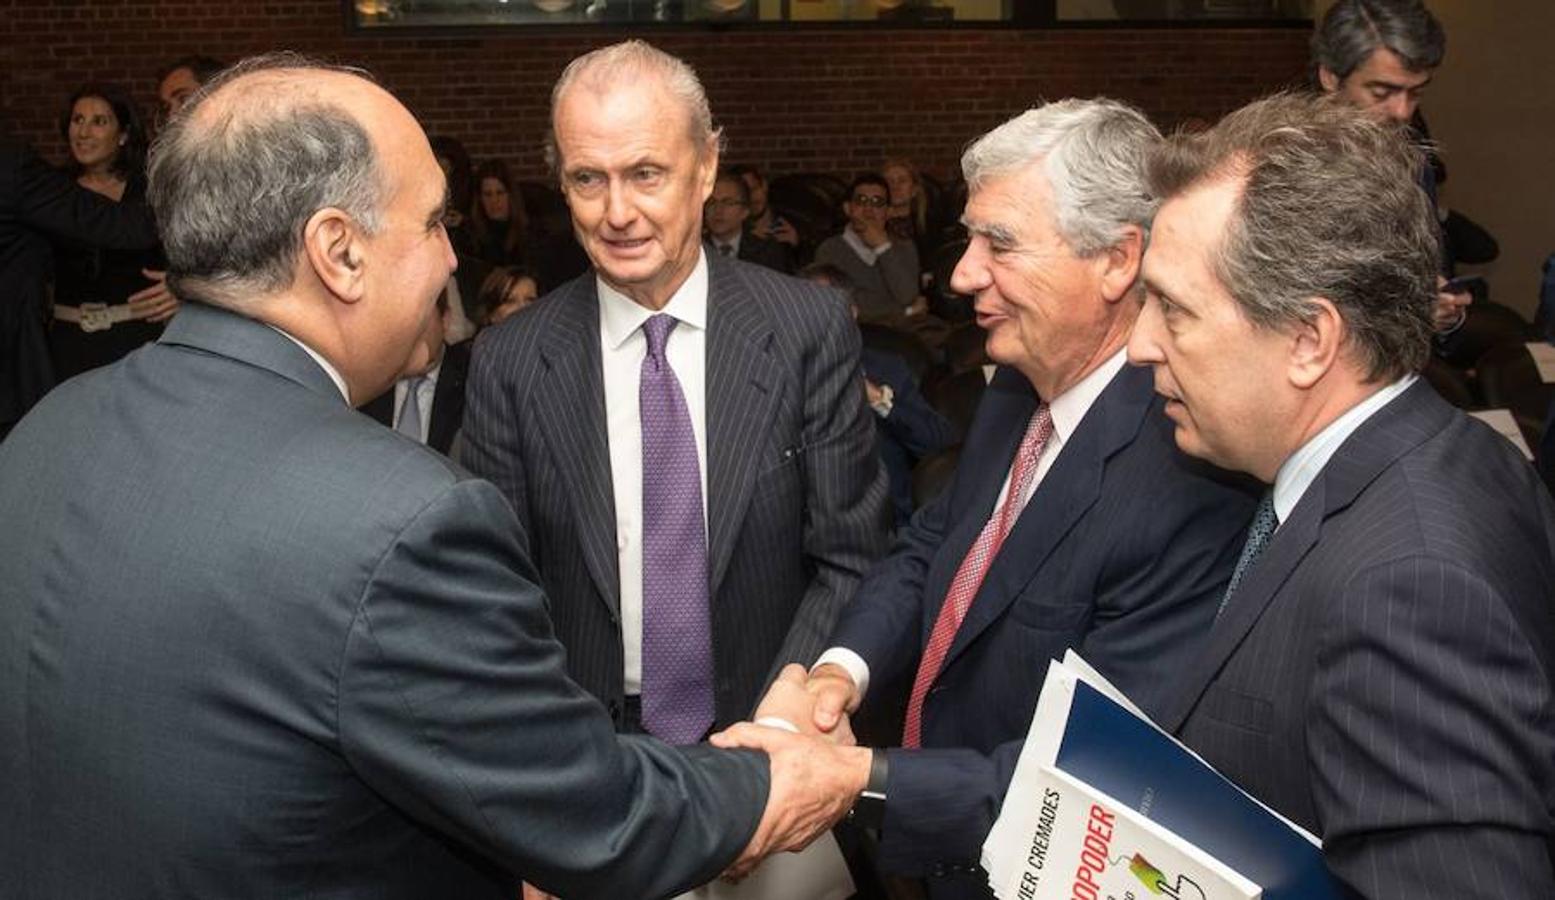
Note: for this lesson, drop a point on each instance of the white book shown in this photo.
(1185, 816)
(1086, 846)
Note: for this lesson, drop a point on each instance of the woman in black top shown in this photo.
(498, 227)
(95, 320)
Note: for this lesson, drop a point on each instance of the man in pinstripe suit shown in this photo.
(793, 499)
(1380, 670)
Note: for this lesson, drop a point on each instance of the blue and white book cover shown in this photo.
(1086, 729)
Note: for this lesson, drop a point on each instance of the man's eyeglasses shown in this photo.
(871, 201)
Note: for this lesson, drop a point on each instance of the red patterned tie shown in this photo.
(969, 577)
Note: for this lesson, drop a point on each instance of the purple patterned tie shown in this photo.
(677, 650)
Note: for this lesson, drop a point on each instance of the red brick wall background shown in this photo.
(828, 100)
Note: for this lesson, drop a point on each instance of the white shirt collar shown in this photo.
(1068, 408)
(429, 377)
(620, 316)
(331, 371)
(732, 243)
(1301, 468)
(865, 252)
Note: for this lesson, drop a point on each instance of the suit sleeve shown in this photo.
(884, 626)
(1428, 733)
(453, 703)
(49, 201)
(845, 486)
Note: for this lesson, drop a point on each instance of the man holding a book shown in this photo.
(1379, 671)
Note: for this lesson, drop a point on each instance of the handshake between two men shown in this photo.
(817, 773)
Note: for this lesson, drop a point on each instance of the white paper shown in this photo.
(1543, 354)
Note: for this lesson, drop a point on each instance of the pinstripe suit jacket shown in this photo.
(796, 496)
(1383, 674)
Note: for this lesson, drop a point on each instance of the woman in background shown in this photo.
(106, 302)
(498, 226)
(907, 218)
(505, 291)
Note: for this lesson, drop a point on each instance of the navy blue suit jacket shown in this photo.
(1122, 552)
(1382, 675)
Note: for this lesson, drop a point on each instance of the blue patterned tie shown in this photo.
(677, 648)
(1258, 535)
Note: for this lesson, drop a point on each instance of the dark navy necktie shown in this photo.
(1258, 535)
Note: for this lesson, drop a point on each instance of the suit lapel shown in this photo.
(570, 401)
(1390, 433)
(1067, 491)
(742, 394)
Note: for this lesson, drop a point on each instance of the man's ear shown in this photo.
(1328, 79)
(1315, 344)
(332, 243)
(1121, 264)
(708, 167)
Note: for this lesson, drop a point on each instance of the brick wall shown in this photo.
(833, 100)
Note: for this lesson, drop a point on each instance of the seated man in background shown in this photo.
(764, 222)
(728, 208)
(884, 272)
(1380, 672)
(295, 655)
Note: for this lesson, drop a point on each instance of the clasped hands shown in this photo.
(817, 773)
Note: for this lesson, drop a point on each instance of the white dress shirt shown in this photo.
(623, 347)
(425, 391)
(1068, 410)
(1301, 468)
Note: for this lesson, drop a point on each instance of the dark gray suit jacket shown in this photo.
(1382, 676)
(796, 497)
(253, 644)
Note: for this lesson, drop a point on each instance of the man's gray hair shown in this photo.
(233, 187)
(1093, 153)
(630, 62)
(1330, 207)
(1353, 29)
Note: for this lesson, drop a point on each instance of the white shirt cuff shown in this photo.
(851, 663)
(778, 723)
